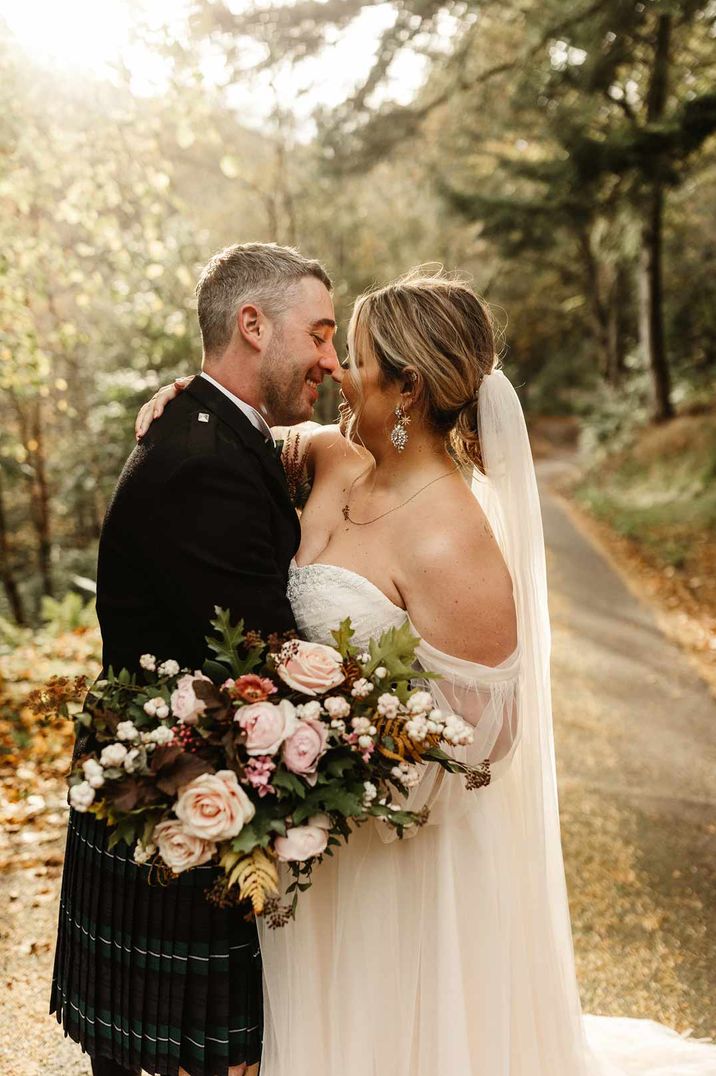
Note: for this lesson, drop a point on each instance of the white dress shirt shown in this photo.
(255, 417)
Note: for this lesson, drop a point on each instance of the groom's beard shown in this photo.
(284, 391)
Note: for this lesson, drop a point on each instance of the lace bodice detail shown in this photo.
(322, 595)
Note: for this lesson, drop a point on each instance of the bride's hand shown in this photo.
(154, 407)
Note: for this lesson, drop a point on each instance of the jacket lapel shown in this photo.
(209, 397)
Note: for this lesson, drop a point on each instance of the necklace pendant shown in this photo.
(345, 510)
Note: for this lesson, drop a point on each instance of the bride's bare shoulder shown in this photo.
(328, 449)
(454, 579)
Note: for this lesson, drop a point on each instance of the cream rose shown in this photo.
(186, 707)
(303, 842)
(304, 747)
(214, 806)
(311, 668)
(267, 724)
(180, 849)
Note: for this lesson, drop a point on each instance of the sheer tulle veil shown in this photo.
(509, 497)
(508, 494)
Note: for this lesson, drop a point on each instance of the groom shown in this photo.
(155, 977)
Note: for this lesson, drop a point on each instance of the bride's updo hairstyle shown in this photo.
(433, 322)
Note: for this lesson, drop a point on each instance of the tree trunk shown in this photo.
(651, 311)
(41, 493)
(651, 314)
(616, 334)
(598, 312)
(12, 591)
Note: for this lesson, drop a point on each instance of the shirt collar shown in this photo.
(255, 417)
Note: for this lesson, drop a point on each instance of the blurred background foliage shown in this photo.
(561, 154)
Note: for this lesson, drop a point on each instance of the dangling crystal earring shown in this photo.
(399, 433)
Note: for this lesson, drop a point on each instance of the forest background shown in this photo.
(563, 155)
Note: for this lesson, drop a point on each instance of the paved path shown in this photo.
(635, 733)
(635, 736)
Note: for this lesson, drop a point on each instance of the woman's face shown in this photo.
(374, 401)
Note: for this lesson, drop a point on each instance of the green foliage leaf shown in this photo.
(289, 782)
(395, 651)
(343, 635)
(336, 767)
(227, 639)
(327, 800)
(214, 670)
(128, 830)
(227, 645)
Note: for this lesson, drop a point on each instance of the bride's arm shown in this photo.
(456, 586)
(154, 407)
(459, 597)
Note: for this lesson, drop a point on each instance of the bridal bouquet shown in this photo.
(269, 755)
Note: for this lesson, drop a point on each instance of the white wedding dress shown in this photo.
(449, 953)
(433, 956)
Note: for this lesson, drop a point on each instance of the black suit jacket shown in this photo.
(201, 516)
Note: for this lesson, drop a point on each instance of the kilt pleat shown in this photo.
(121, 895)
(84, 958)
(152, 975)
(124, 953)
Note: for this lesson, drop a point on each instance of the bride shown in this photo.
(449, 952)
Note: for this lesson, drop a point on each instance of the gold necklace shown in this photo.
(364, 523)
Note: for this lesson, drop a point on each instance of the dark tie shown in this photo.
(275, 449)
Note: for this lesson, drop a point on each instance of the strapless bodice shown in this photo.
(322, 595)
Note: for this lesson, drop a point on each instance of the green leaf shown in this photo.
(336, 767)
(214, 670)
(226, 641)
(247, 840)
(328, 799)
(127, 830)
(395, 651)
(436, 754)
(289, 782)
(343, 635)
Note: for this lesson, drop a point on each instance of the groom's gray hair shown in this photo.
(261, 273)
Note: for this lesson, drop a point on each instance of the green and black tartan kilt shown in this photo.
(152, 975)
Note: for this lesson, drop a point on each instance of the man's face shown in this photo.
(299, 355)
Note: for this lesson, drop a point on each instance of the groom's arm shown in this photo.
(214, 545)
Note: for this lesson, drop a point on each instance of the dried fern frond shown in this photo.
(404, 749)
(257, 878)
(352, 671)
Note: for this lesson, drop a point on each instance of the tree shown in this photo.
(621, 93)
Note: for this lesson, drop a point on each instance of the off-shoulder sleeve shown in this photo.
(487, 697)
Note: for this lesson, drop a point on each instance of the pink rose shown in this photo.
(185, 705)
(310, 668)
(214, 806)
(266, 724)
(180, 849)
(303, 842)
(305, 746)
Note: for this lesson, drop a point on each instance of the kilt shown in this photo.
(152, 975)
